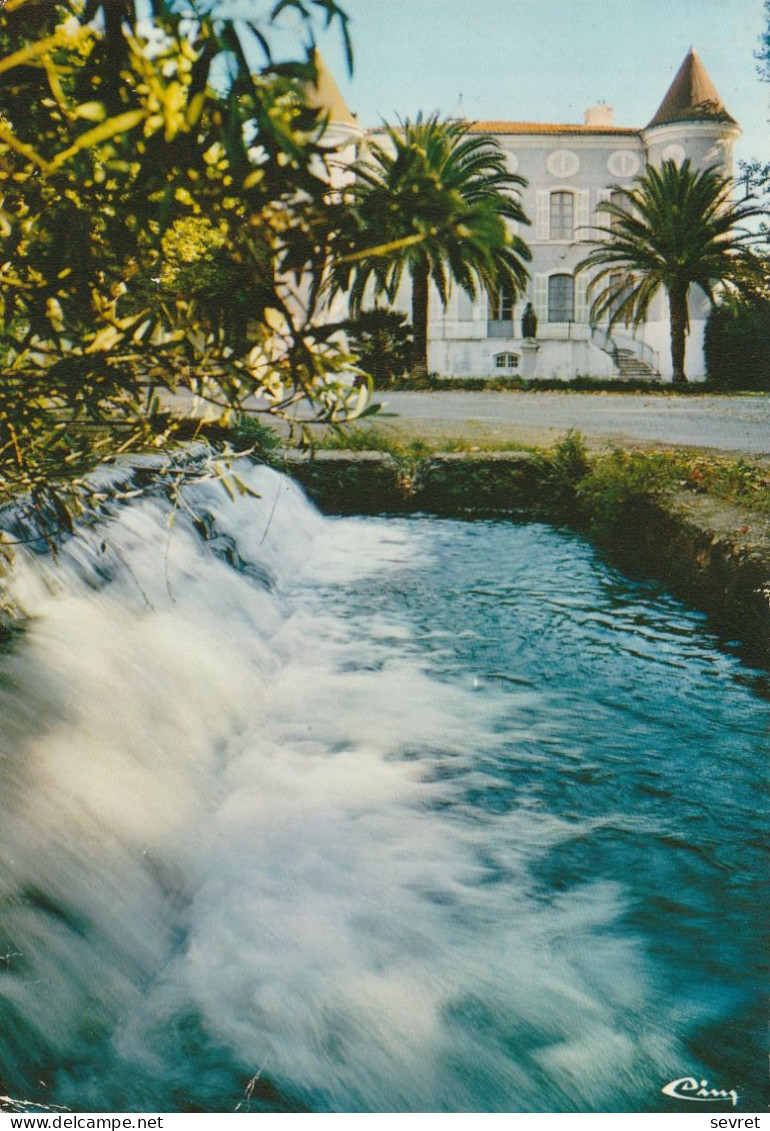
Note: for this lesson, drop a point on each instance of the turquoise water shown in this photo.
(305, 814)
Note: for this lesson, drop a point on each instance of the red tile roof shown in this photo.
(545, 128)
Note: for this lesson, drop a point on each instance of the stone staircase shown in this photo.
(632, 368)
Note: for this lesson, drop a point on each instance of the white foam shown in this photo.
(212, 786)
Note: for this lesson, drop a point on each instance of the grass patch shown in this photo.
(370, 439)
(375, 439)
(599, 488)
(737, 481)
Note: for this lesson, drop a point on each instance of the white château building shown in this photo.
(569, 170)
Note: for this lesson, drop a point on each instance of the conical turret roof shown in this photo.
(692, 97)
(326, 95)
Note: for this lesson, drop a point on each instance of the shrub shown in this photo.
(432, 382)
(562, 469)
(737, 344)
(620, 478)
(382, 341)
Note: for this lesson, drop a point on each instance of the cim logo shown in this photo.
(698, 1091)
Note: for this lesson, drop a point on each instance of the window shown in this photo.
(464, 306)
(621, 200)
(622, 286)
(561, 298)
(501, 305)
(616, 284)
(506, 361)
(562, 216)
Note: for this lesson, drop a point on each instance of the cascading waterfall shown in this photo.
(374, 811)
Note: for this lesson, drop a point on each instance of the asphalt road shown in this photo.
(726, 424)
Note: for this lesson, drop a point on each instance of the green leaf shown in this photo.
(91, 111)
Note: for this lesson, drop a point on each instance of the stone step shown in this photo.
(630, 361)
(629, 367)
(638, 371)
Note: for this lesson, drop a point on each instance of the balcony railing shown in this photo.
(546, 331)
(564, 331)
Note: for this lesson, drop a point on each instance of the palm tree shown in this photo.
(432, 202)
(675, 229)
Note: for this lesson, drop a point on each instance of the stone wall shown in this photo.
(715, 556)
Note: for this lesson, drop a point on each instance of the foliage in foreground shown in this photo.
(165, 222)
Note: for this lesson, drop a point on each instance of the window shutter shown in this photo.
(540, 297)
(581, 298)
(583, 217)
(464, 306)
(542, 215)
(601, 219)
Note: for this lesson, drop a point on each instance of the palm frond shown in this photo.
(431, 192)
(674, 228)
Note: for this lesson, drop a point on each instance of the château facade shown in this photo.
(570, 170)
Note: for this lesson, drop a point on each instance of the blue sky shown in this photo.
(547, 60)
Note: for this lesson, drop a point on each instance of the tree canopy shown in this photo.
(675, 229)
(763, 52)
(165, 221)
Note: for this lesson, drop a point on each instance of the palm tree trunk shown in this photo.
(677, 305)
(420, 283)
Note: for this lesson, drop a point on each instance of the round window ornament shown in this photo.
(623, 163)
(511, 161)
(673, 153)
(562, 163)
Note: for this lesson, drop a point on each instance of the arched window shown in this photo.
(506, 361)
(561, 298)
(562, 226)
